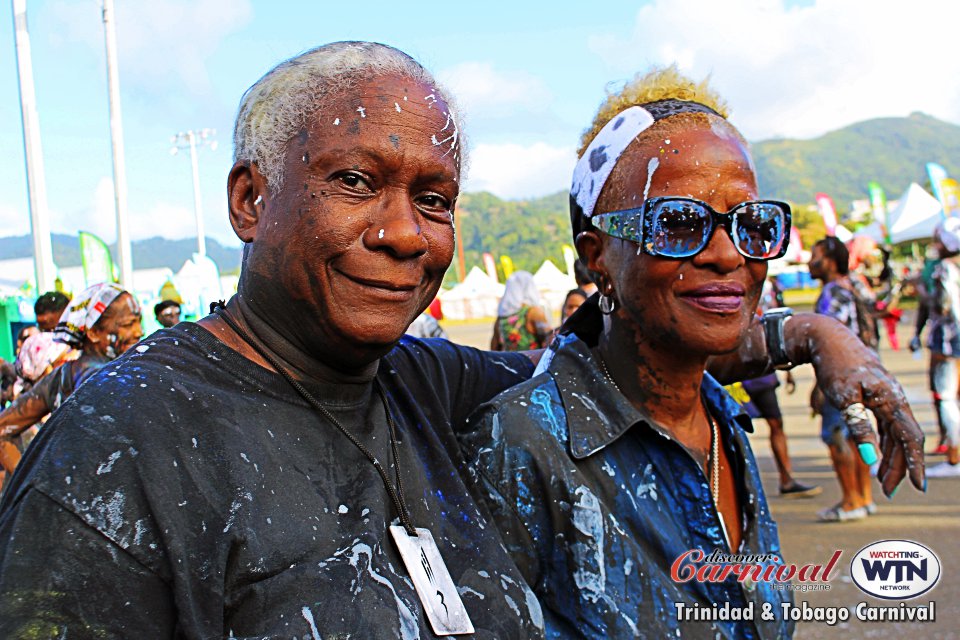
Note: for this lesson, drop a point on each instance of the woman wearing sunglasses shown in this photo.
(625, 455)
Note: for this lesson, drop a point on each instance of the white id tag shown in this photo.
(433, 583)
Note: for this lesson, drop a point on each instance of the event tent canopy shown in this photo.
(916, 215)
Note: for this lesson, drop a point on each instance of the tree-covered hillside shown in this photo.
(890, 151)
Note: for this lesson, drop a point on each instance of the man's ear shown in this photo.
(247, 196)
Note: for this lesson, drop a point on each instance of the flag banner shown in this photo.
(491, 266)
(506, 263)
(937, 175)
(878, 204)
(569, 257)
(97, 262)
(828, 212)
(951, 197)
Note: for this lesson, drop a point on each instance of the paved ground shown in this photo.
(931, 519)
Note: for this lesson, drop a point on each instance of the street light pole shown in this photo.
(189, 140)
(124, 253)
(44, 268)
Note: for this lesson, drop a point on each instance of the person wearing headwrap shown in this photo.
(39, 355)
(103, 321)
(521, 322)
(944, 343)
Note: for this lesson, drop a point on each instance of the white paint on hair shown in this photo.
(362, 111)
(284, 100)
(452, 138)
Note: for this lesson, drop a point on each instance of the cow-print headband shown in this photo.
(600, 157)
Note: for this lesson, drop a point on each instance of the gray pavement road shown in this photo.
(930, 518)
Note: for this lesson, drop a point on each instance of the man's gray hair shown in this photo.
(280, 103)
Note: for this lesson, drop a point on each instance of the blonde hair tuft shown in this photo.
(660, 83)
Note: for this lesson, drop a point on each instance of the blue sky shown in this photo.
(528, 75)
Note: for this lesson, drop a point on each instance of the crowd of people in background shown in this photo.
(72, 340)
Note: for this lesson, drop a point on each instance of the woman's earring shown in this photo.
(607, 304)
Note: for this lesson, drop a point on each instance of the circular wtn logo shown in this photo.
(895, 569)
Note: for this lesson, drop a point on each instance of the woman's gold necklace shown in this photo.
(606, 372)
(713, 465)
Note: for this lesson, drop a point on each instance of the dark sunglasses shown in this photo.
(675, 227)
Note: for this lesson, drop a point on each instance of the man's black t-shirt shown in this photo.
(183, 491)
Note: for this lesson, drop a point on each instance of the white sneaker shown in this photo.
(944, 470)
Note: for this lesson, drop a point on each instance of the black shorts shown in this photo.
(765, 404)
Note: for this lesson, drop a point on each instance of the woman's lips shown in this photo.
(716, 298)
(717, 303)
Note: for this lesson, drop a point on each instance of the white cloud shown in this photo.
(158, 218)
(177, 222)
(517, 171)
(482, 90)
(13, 221)
(161, 44)
(802, 71)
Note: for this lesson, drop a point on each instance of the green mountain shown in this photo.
(890, 151)
(529, 231)
(150, 253)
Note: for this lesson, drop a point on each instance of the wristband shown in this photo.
(773, 321)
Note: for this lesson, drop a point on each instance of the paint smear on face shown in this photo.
(651, 169)
(336, 122)
(397, 106)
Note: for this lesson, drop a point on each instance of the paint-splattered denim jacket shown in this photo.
(595, 503)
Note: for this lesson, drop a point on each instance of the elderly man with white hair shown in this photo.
(289, 465)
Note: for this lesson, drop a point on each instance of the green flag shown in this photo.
(97, 261)
(878, 203)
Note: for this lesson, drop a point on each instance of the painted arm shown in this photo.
(27, 410)
(850, 374)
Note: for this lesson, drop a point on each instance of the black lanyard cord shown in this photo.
(396, 494)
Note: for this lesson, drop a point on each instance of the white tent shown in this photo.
(916, 215)
(198, 282)
(874, 231)
(476, 297)
(553, 286)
